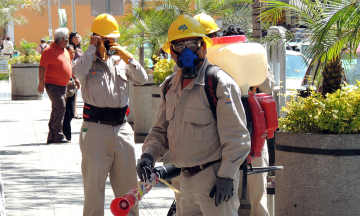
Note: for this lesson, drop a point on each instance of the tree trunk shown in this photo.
(256, 20)
(5, 28)
(332, 76)
(142, 48)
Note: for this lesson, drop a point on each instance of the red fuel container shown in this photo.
(268, 105)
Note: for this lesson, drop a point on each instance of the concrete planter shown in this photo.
(142, 109)
(24, 82)
(320, 175)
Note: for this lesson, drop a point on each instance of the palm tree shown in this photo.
(9, 9)
(334, 29)
(256, 20)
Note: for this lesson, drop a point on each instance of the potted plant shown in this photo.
(24, 73)
(318, 145)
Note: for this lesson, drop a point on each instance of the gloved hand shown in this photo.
(223, 190)
(102, 50)
(124, 55)
(144, 167)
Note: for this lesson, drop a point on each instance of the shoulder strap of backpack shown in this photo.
(166, 87)
(211, 82)
(42, 48)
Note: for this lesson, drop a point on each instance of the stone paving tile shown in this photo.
(43, 180)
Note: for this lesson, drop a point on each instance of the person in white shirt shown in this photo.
(8, 47)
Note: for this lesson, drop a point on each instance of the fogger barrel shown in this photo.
(245, 62)
(121, 206)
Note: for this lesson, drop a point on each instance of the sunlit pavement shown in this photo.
(42, 179)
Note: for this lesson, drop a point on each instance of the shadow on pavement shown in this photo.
(29, 144)
(8, 121)
(12, 152)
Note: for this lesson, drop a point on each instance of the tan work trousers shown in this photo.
(258, 184)
(195, 190)
(106, 150)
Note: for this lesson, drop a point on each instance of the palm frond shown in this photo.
(9, 9)
(155, 17)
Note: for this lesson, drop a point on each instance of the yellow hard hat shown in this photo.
(207, 22)
(105, 25)
(183, 27)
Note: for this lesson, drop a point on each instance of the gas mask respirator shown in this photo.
(188, 60)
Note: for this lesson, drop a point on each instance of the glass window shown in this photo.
(295, 68)
(352, 70)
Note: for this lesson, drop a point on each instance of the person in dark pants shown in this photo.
(54, 74)
(69, 115)
(70, 99)
(75, 40)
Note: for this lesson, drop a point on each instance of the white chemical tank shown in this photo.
(245, 62)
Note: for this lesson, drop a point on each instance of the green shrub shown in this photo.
(337, 113)
(4, 76)
(29, 55)
(147, 63)
(25, 59)
(162, 69)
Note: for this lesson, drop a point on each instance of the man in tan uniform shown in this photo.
(209, 150)
(211, 29)
(106, 139)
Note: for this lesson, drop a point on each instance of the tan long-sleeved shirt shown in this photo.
(186, 126)
(106, 83)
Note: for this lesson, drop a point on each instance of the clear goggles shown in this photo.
(193, 45)
(106, 39)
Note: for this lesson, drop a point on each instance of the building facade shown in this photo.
(38, 25)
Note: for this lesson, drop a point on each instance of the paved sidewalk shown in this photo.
(41, 179)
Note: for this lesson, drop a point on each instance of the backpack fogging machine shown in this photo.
(260, 110)
(261, 116)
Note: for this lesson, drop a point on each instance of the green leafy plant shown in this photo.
(4, 76)
(162, 69)
(29, 54)
(147, 63)
(337, 113)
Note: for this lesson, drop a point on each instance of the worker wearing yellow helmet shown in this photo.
(209, 25)
(106, 139)
(208, 146)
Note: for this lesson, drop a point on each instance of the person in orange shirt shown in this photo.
(54, 74)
